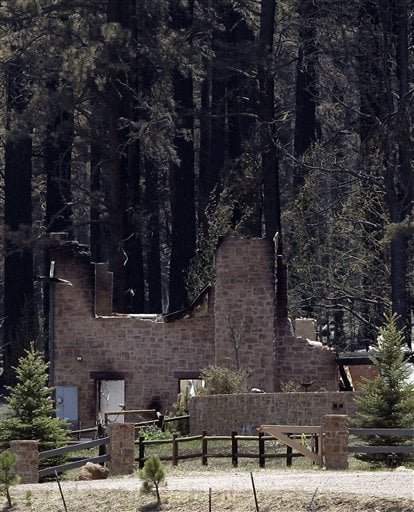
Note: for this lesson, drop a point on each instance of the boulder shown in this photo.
(91, 471)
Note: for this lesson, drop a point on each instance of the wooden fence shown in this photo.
(234, 451)
(72, 448)
(386, 432)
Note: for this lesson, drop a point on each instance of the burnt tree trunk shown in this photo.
(307, 126)
(270, 160)
(183, 235)
(19, 316)
(152, 210)
(58, 162)
(124, 167)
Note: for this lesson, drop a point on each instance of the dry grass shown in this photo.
(129, 501)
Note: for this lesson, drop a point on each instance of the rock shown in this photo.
(402, 468)
(91, 471)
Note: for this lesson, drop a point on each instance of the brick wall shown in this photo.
(220, 414)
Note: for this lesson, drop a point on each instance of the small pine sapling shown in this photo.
(152, 476)
(8, 476)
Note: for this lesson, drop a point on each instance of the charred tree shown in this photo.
(19, 316)
(183, 235)
(307, 125)
(269, 153)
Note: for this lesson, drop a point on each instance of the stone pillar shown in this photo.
(27, 463)
(121, 448)
(335, 441)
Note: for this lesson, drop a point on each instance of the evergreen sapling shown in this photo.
(30, 406)
(152, 476)
(388, 400)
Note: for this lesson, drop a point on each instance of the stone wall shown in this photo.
(237, 327)
(245, 308)
(220, 414)
(146, 353)
(303, 361)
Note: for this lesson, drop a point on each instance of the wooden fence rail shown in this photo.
(69, 449)
(205, 440)
(383, 432)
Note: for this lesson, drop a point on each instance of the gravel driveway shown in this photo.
(395, 484)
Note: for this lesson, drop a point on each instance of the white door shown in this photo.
(111, 399)
(67, 404)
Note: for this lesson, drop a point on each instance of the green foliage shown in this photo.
(224, 381)
(290, 386)
(388, 400)
(181, 407)
(8, 476)
(31, 407)
(182, 404)
(152, 476)
(152, 433)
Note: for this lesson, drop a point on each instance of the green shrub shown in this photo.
(220, 380)
(152, 433)
(290, 386)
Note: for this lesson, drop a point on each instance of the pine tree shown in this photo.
(31, 406)
(388, 400)
(152, 475)
(8, 476)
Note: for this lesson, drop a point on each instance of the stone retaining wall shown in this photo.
(220, 414)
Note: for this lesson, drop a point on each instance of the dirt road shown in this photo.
(387, 484)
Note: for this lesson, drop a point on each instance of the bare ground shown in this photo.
(287, 491)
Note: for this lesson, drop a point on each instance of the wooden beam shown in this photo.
(279, 432)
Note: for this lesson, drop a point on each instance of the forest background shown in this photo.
(149, 129)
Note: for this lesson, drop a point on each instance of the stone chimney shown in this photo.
(103, 290)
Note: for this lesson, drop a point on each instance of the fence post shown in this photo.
(160, 422)
(204, 449)
(27, 460)
(289, 456)
(262, 458)
(174, 451)
(335, 441)
(141, 452)
(121, 448)
(102, 447)
(234, 453)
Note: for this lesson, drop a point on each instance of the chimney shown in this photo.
(103, 290)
